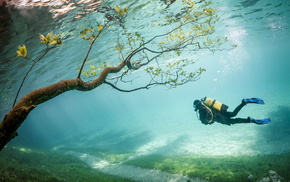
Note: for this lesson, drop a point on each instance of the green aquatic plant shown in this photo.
(161, 57)
(113, 157)
(37, 165)
(219, 168)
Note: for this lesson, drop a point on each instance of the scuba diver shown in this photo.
(210, 110)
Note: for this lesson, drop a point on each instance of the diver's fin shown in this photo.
(253, 100)
(260, 121)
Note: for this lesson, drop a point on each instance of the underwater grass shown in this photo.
(222, 168)
(20, 165)
(111, 157)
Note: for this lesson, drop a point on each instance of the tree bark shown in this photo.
(18, 114)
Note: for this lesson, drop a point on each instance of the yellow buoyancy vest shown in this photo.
(213, 104)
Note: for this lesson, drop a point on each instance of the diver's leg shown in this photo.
(236, 111)
(239, 120)
(231, 121)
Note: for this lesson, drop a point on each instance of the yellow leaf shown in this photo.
(18, 53)
(93, 73)
(53, 42)
(125, 11)
(100, 27)
(22, 51)
(117, 8)
(42, 38)
(121, 11)
(48, 38)
(87, 30)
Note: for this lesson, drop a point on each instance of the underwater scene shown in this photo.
(115, 90)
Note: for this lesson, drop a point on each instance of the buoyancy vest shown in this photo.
(211, 103)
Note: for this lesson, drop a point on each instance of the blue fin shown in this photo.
(260, 121)
(253, 100)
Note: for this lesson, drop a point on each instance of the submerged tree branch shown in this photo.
(89, 50)
(20, 111)
(131, 90)
(170, 73)
(24, 78)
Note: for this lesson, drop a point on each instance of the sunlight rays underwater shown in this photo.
(172, 116)
(161, 121)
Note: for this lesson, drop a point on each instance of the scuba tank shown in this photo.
(211, 103)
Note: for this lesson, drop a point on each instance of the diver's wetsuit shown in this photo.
(223, 117)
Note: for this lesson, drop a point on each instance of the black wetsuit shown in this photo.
(223, 117)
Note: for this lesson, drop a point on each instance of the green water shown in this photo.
(85, 136)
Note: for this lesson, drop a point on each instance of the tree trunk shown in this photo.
(17, 115)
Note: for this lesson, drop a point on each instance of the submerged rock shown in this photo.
(273, 177)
